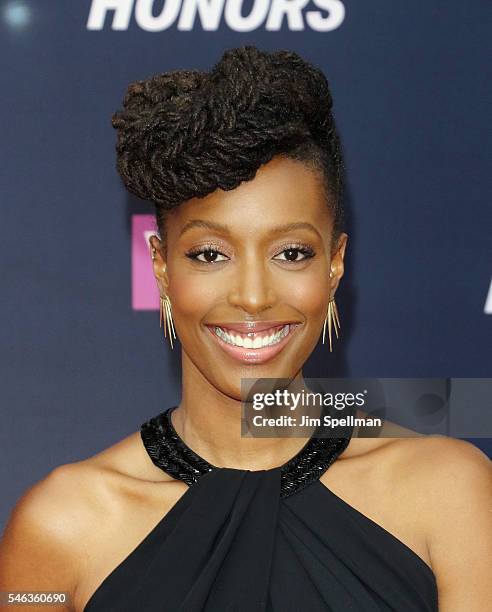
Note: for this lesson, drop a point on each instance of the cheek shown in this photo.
(192, 296)
(310, 296)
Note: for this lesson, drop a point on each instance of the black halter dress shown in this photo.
(274, 540)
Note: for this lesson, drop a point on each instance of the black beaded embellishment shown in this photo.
(169, 452)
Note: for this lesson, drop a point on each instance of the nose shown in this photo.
(252, 290)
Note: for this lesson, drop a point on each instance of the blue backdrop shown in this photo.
(80, 368)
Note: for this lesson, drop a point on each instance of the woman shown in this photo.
(244, 165)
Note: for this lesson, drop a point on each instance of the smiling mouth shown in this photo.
(253, 340)
(253, 346)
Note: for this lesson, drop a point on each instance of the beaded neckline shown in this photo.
(170, 453)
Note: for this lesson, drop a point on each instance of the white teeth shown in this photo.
(252, 343)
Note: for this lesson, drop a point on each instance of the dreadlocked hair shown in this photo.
(186, 133)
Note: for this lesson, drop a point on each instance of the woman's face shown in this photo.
(233, 262)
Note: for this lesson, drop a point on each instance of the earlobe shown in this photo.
(160, 273)
(154, 244)
(155, 250)
(343, 245)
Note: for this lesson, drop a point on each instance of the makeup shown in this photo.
(255, 343)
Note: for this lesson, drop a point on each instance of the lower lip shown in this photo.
(255, 356)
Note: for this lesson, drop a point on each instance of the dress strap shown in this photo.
(171, 454)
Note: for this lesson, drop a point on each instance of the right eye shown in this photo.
(209, 255)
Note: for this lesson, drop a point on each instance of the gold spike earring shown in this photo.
(331, 318)
(165, 314)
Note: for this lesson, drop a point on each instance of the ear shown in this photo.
(159, 264)
(336, 265)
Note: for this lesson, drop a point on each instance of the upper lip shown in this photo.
(252, 326)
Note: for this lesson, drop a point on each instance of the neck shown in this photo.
(209, 422)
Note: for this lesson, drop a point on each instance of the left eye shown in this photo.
(291, 254)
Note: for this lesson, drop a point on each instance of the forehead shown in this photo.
(282, 191)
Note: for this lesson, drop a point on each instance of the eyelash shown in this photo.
(304, 249)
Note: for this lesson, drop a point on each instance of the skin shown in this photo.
(434, 494)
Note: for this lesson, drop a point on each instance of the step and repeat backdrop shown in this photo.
(83, 361)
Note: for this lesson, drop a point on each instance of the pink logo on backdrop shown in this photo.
(145, 295)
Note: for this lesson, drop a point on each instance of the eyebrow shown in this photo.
(224, 229)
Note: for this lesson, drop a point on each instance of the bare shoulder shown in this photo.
(46, 542)
(128, 458)
(450, 481)
(451, 457)
(447, 468)
(456, 478)
(445, 473)
(39, 546)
